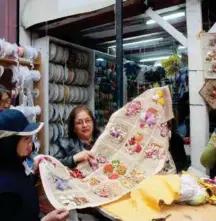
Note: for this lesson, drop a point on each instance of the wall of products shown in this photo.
(67, 82)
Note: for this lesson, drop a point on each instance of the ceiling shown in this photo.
(97, 30)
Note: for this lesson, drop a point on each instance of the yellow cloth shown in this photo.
(146, 200)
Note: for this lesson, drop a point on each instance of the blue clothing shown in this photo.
(18, 195)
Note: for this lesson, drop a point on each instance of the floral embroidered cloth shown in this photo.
(133, 147)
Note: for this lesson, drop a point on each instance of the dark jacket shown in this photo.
(176, 148)
(18, 196)
(67, 148)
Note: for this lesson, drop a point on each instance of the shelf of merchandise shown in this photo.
(110, 59)
(43, 44)
(8, 62)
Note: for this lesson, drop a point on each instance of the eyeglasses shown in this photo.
(83, 122)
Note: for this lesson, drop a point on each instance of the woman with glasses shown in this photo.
(83, 132)
(5, 100)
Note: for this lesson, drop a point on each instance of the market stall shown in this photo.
(20, 85)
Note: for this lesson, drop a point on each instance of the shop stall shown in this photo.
(20, 82)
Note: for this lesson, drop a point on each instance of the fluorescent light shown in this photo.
(181, 47)
(100, 59)
(138, 42)
(154, 59)
(168, 17)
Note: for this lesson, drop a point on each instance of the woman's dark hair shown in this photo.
(75, 111)
(8, 153)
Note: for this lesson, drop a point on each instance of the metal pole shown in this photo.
(119, 51)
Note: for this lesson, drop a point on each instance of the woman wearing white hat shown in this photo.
(18, 196)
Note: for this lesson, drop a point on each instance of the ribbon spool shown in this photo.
(60, 131)
(56, 92)
(51, 111)
(36, 75)
(61, 93)
(66, 93)
(51, 71)
(20, 51)
(58, 54)
(51, 92)
(1, 71)
(55, 132)
(66, 55)
(50, 132)
(71, 76)
(53, 149)
(65, 74)
(56, 112)
(31, 53)
(65, 126)
(61, 111)
(8, 49)
(57, 73)
(37, 110)
(62, 74)
(71, 96)
(52, 51)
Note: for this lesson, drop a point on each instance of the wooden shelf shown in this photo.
(22, 61)
(7, 62)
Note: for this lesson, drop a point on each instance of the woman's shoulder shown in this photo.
(70, 142)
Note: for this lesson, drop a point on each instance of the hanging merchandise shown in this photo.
(208, 92)
(20, 84)
(105, 90)
(209, 55)
(181, 82)
(171, 65)
(131, 70)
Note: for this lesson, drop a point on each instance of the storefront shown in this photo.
(163, 45)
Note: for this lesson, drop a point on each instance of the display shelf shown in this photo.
(24, 62)
(7, 63)
(106, 87)
(43, 44)
(208, 45)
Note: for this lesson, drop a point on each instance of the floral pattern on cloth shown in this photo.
(134, 144)
(148, 118)
(133, 178)
(126, 154)
(115, 169)
(108, 190)
(164, 130)
(133, 108)
(154, 151)
(118, 134)
(158, 97)
(96, 162)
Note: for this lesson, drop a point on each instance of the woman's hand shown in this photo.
(57, 215)
(38, 159)
(83, 156)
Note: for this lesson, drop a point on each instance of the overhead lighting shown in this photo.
(168, 17)
(154, 59)
(181, 47)
(138, 42)
(100, 59)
